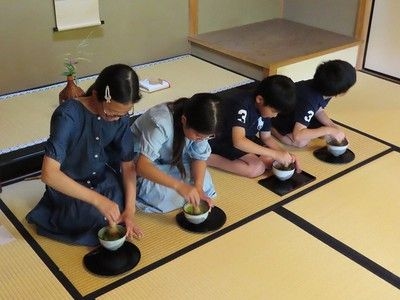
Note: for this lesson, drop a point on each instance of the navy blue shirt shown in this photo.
(242, 112)
(239, 111)
(309, 101)
(85, 145)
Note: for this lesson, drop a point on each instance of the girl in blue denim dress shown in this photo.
(88, 165)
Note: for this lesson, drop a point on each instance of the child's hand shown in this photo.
(203, 196)
(109, 209)
(337, 135)
(284, 158)
(188, 192)
(296, 163)
(132, 230)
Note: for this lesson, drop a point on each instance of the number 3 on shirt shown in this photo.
(242, 116)
(309, 116)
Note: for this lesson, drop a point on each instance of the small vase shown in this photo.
(70, 91)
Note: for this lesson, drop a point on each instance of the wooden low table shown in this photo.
(264, 47)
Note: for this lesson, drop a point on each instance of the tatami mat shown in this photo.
(268, 258)
(361, 209)
(239, 197)
(21, 267)
(362, 147)
(162, 237)
(244, 195)
(29, 113)
(371, 106)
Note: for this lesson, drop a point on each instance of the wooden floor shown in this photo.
(335, 238)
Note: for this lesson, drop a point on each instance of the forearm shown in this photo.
(129, 184)
(323, 118)
(271, 143)
(249, 146)
(307, 134)
(146, 169)
(198, 172)
(56, 179)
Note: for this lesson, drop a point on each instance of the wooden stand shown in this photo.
(260, 49)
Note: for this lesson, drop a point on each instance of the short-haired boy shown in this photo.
(309, 120)
(244, 144)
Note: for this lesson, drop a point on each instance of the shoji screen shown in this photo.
(383, 45)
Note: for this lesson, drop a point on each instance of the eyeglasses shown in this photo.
(194, 135)
(200, 137)
(209, 137)
(111, 114)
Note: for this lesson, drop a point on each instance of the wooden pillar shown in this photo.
(272, 70)
(361, 28)
(193, 17)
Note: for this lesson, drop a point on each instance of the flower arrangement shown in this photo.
(70, 66)
(72, 90)
(72, 60)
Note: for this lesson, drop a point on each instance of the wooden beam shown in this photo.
(361, 28)
(193, 17)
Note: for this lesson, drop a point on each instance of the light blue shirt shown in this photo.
(153, 137)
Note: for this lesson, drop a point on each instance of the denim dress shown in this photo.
(89, 150)
(153, 137)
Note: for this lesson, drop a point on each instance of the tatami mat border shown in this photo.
(161, 262)
(275, 208)
(337, 245)
(42, 88)
(380, 75)
(321, 235)
(89, 77)
(372, 137)
(40, 252)
(309, 189)
(135, 67)
(22, 146)
(92, 77)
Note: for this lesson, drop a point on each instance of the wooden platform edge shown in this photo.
(271, 66)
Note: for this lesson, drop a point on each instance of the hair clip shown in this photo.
(107, 94)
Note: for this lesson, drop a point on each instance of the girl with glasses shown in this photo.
(88, 165)
(171, 142)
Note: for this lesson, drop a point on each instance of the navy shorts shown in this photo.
(227, 150)
(285, 128)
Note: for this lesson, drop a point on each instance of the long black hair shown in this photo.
(122, 81)
(201, 112)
